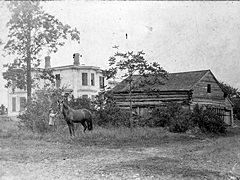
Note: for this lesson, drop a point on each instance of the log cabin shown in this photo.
(187, 88)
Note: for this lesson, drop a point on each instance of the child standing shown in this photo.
(51, 117)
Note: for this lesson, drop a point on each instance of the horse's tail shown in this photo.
(89, 124)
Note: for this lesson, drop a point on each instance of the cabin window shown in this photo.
(208, 88)
(101, 82)
(84, 79)
(92, 79)
(58, 80)
(14, 101)
(85, 96)
(22, 103)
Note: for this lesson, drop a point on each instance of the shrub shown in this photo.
(160, 117)
(112, 115)
(80, 102)
(177, 119)
(35, 117)
(181, 121)
(173, 116)
(208, 120)
(107, 112)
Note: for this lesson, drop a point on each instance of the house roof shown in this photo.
(174, 82)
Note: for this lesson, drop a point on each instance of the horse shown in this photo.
(71, 116)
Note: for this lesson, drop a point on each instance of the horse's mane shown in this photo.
(66, 106)
(67, 109)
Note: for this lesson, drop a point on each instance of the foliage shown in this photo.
(229, 90)
(107, 113)
(236, 107)
(177, 119)
(31, 31)
(35, 116)
(80, 102)
(172, 116)
(2, 109)
(208, 120)
(233, 94)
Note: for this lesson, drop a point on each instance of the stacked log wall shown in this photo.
(143, 99)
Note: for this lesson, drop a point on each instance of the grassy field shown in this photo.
(145, 153)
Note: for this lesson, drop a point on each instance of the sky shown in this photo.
(181, 36)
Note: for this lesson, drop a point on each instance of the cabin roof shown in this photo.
(174, 82)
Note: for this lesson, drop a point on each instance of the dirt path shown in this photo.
(41, 160)
(31, 159)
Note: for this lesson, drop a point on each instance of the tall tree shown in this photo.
(130, 64)
(31, 30)
(228, 90)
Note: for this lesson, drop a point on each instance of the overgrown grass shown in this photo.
(112, 137)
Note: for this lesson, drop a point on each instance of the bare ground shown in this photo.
(194, 158)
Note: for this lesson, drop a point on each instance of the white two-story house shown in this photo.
(80, 80)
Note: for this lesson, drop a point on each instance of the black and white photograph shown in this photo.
(119, 90)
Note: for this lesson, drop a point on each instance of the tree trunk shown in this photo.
(29, 77)
(29, 81)
(130, 102)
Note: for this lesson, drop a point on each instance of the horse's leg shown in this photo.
(72, 125)
(84, 125)
(69, 127)
(89, 124)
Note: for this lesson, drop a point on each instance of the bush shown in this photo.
(177, 119)
(208, 120)
(80, 102)
(112, 115)
(35, 117)
(107, 112)
(173, 116)
(181, 121)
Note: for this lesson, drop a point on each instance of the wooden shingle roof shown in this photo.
(174, 82)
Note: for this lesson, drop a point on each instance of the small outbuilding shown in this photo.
(187, 88)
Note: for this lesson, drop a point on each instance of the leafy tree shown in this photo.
(233, 94)
(131, 64)
(31, 30)
(229, 90)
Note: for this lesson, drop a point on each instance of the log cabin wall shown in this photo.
(208, 92)
(142, 101)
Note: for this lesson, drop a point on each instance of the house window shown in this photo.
(14, 101)
(85, 96)
(22, 103)
(58, 80)
(208, 88)
(101, 82)
(92, 79)
(84, 79)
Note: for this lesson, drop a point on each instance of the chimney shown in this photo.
(76, 59)
(47, 62)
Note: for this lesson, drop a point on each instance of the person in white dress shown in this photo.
(52, 116)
